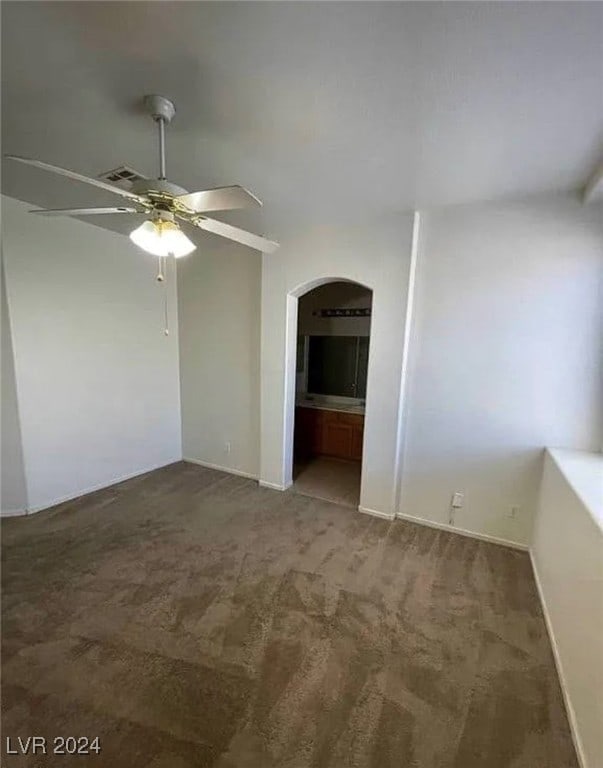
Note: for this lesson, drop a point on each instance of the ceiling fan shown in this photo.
(165, 203)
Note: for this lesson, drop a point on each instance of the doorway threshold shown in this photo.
(329, 479)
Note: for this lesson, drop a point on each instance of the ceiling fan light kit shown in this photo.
(162, 237)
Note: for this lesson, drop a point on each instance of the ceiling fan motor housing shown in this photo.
(159, 186)
(159, 107)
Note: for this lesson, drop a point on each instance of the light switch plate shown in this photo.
(457, 500)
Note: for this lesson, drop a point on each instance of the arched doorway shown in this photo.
(377, 259)
(331, 331)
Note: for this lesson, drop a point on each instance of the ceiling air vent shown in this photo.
(122, 177)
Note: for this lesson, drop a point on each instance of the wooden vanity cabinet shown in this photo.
(328, 433)
(307, 438)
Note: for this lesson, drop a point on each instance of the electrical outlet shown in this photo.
(514, 511)
(457, 500)
(227, 447)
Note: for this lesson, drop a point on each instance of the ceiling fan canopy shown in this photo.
(165, 203)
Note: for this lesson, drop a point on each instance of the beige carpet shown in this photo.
(189, 618)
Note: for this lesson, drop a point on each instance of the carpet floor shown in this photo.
(189, 618)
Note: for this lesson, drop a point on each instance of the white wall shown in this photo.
(96, 377)
(376, 255)
(506, 357)
(567, 553)
(14, 492)
(219, 289)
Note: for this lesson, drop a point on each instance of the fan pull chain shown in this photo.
(160, 269)
(161, 279)
(166, 330)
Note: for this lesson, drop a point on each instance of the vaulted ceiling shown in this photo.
(324, 110)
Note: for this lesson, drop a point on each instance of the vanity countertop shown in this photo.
(322, 406)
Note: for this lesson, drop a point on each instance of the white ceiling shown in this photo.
(322, 109)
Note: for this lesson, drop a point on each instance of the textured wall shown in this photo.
(14, 491)
(506, 357)
(97, 379)
(567, 550)
(219, 306)
(329, 296)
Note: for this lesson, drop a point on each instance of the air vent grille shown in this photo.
(122, 176)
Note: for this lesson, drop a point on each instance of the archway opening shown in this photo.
(332, 343)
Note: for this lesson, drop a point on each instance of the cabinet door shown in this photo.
(352, 419)
(307, 436)
(300, 435)
(337, 440)
(357, 438)
(316, 432)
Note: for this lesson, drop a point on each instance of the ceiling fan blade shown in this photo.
(220, 199)
(75, 176)
(234, 233)
(83, 211)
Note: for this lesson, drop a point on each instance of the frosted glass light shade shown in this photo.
(162, 238)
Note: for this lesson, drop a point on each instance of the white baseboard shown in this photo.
(571, 715)
(273, 486)
(93, 488)
(464, 532)
(13, 512)
(220, 468)
(377, 513)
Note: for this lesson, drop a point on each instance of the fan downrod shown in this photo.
(162, 111)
